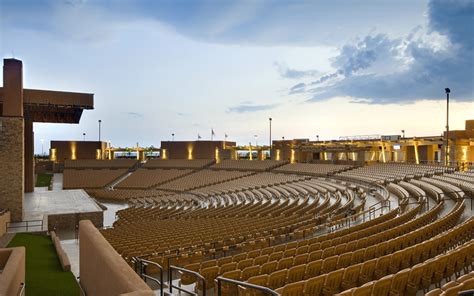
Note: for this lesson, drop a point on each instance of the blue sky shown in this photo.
(327, 68)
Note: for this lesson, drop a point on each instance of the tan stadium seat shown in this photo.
(314, 286)
(329, 264)
(301, 259)
(245, 263)
(344, 260)
(285, 263)
(292, 289)
(315, 255)
(399, 282)
(414, 279)
(313, 269)
(367, 271)
(277, 279)
(228, 288)
(228, 267)
(269, 267)
(249, 272)
(296, 273)
(364, 290)
(333, 282)
(435, 292)
(189, 279)
(382, 286)
(351, 276)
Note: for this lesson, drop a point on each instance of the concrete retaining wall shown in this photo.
(12, 260)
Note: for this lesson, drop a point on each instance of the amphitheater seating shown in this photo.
(178, 163)
(247, 165)
(312, 169)
(299, 233)
(146, 178)
(90, 178)
(99, 164)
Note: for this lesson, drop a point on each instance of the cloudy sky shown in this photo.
(328, 68)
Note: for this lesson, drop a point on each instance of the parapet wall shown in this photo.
(4, 219)
(12, 261)
(103, 272)
(70, 220)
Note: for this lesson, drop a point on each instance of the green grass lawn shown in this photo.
(44, 275)
(43, 180)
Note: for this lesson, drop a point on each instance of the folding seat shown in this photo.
(350, 277)
(269, 267)
(351, 246)
(296, 273)
(314, 247)
(275, 256)
(253, 254)
(382, 286)
(357, 256)
(344, 260)
(260, 260)
(369, 253)
(209, 274)
(259, 280)
(249, 272)
(239, 257)
(364, 290)
(279, 248)
(326, 244)
(428, 274)
(440, 269)
(227, 267)
(328, 252)
(314, 286)
(381, 268)
(292, 289)
(285, 263)
(468, 284)
(291, 245)
(333, 281)
(187, 279)
(289, 253)
(380, 249)
(315, 255)
(407, 257)
(266, 251)
(277, 278)
(329, 264)
(395, 261)
(367, 271)
(227, 288)
(244, 263)
(302, 250)
(414, 279)
(435, 292)
(454, 290)
(417, 254)
(224, 260)
(313, 268)
(399, 282)
(301, 259)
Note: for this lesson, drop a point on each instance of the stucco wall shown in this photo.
(103, 272)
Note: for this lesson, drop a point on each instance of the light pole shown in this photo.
(42, 145)
(317, 138)
(100, 121)
(447, 90)
(403, 133)
(256, 140)
(84, 136)
(172, 137)
(271, 144)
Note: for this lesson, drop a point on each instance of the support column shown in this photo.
(12, 140)
(29, 157)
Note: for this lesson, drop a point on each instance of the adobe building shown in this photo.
(19, 109)
(196, 149)
(393, 148)
(72, 150)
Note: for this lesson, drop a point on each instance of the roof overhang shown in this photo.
(54, 106)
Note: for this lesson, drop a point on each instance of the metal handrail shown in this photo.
(196, 274)
(21, 290)
(27, 222)
(221, 279)
(142, 264)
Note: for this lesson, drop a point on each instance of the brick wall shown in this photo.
(12, 165)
